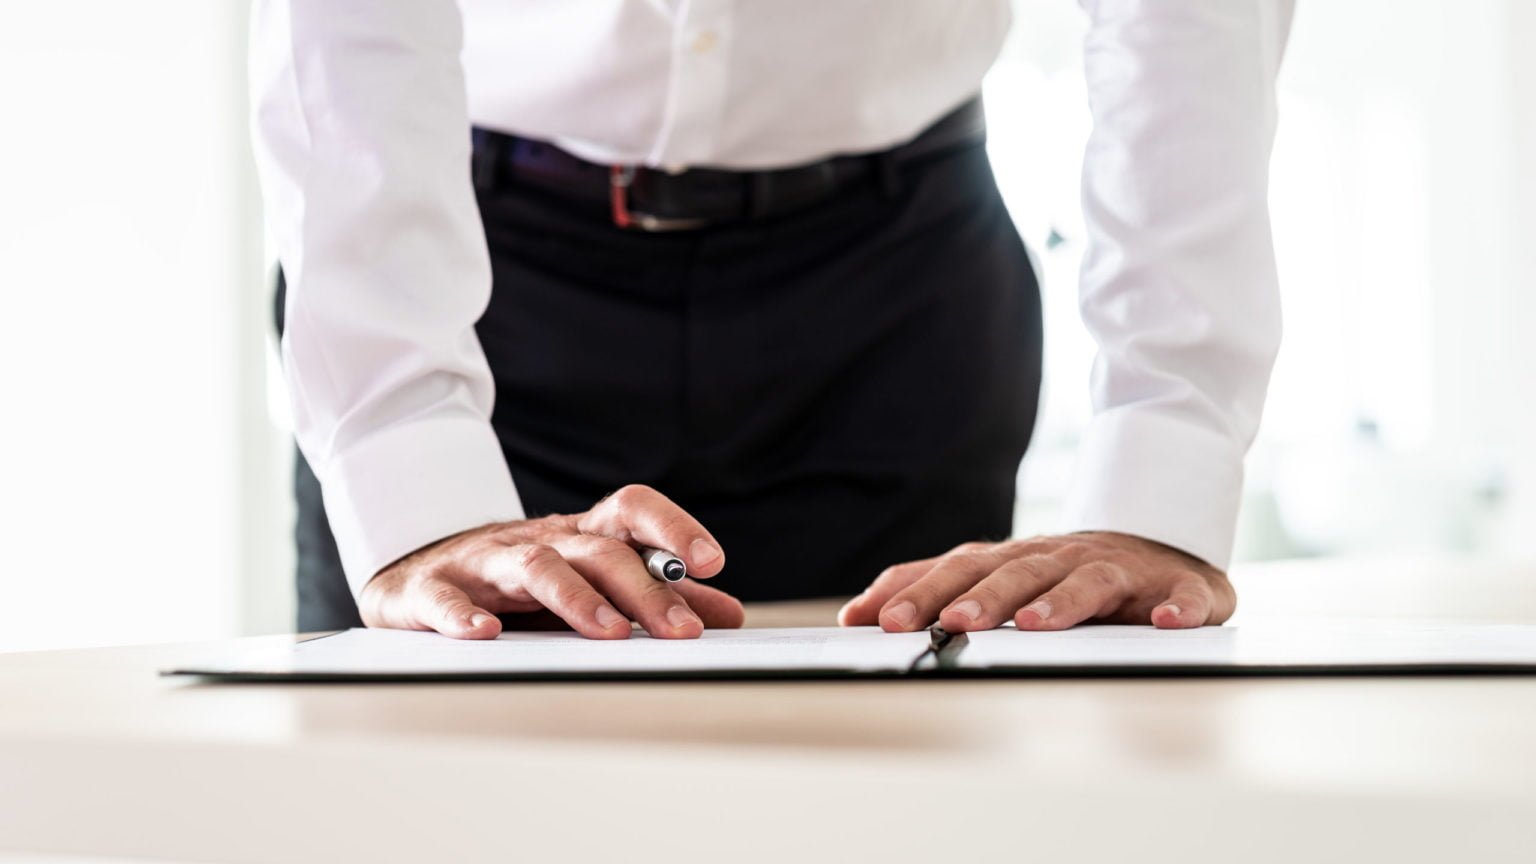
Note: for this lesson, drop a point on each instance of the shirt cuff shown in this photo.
(411, 485)
(1160, 478)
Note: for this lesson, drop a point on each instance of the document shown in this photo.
(1344, 645)
(363, 653)
(1272, 647)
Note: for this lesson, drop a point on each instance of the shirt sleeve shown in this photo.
(362, 140)
(1178, 284)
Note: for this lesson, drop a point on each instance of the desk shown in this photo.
(100, 757)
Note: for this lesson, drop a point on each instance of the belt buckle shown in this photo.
(620, 178)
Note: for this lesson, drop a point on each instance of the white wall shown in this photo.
(1391, 202)
(1400, 225)
(136, 465)
(1517, 532)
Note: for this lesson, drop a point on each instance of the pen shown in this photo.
(663, 564)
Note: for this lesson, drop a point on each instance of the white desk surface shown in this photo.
(99, 757)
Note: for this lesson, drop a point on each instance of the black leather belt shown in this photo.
(649, 199)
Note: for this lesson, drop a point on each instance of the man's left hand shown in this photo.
(1047, 583)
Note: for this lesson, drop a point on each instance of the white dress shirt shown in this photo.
(362, 116)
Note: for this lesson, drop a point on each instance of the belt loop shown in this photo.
(759, 189)
(887, 173)
(485, 159)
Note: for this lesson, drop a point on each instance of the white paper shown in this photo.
(1347, 643)
(368, 652)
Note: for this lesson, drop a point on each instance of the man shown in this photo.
(751, 255)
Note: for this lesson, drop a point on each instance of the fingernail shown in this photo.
(702, 552)
(902, 613)
(970, 610)
(478, 620)
(608, 617)
(1174, 609)
(679, 617)
(1041, 608)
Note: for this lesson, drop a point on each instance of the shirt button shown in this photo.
(705, 41)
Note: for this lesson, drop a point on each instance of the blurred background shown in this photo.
(144, 456)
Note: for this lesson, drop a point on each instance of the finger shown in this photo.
(865, 608)
(715, 607)
(445, 608)
(1090, 591)
(640, 515)
(549, 579)
(917, 605)
(1188, 605)
(996, 598)
(613, 568)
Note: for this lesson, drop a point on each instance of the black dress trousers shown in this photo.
(829, 392)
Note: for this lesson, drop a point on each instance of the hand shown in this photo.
(583, 568)
(1048, 583)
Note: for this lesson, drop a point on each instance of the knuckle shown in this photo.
(1197, 586)
(1012, 548)
(1072, 548)
(563, 594)
(631, 497)
(1208, 593)
(890, 579)
(1038, 545)
(899, 576)
(1103, 578)
(988, 596)
(532, 556)
(1066, 597)
(973, 560)
(653, 592)
(924, 593)
(1025, 569)
(442, 595)
(673, 522)
(970, 548)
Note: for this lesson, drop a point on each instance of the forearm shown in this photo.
(362, 140)
(1178, 286)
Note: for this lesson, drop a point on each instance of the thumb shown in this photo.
(448, 610)
(713, 606)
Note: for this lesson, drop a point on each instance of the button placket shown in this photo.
(700, 56)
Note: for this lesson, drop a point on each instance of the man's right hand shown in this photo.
(583, 568)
